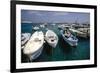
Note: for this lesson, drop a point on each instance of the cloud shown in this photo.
(60, 13)
(35, 13)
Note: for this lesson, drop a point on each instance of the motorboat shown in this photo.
(42, 26)
(36, 28)
(85, 30)
(34, 46)
(24, 38)
(60, 27)
(53, 24)
(79, 33)
(51, 38)
(69, 38)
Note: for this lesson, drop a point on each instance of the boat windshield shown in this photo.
(67, 33)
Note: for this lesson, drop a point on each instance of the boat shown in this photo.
(53, 24)
(51, 38)
(85, 30)
(24, 38)
(69, 38)
(34, 46)
(36, 28)
(42, 26)
(79, 33)
(60, 27)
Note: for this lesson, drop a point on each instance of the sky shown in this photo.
(36, 16)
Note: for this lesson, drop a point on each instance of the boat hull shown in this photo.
(36, 54)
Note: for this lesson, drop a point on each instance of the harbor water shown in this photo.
(63, 51)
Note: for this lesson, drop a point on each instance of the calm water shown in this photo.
(63, 51)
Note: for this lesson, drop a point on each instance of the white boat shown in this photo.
(42, 26)
(34, 46)
(24, 38)
(51, 38)
(69, 38)
(79, 33)
(53, 24)
(60, 27)
(36, 28)
(85, 30)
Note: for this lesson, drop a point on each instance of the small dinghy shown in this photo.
(24, 38)
(69, 38)
(51, 38)
(34, 46)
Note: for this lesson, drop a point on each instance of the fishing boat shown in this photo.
(69, 38)
(85, 30)
(79, 33)
(51, 38)
(34, 46)
(24, 38)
